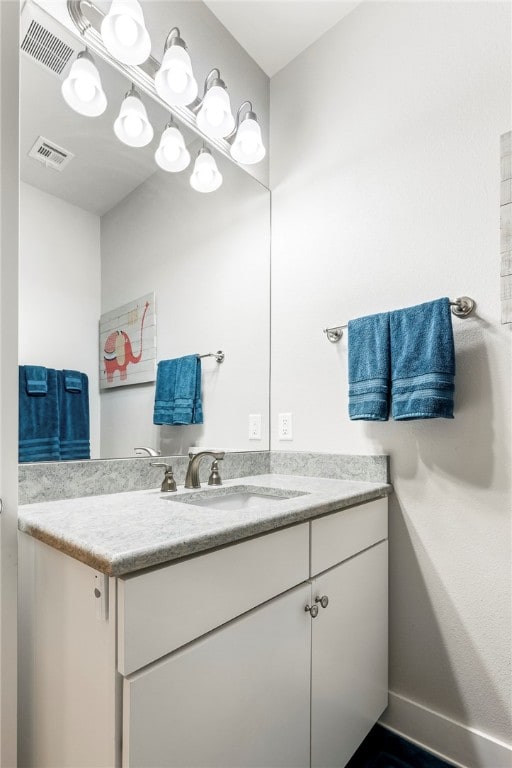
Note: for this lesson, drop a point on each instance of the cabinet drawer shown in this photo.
(338, 536)
(163, 609)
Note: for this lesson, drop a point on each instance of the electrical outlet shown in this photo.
(285, 426)
(255, 426)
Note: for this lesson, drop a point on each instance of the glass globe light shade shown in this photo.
(247, 147)
(214, 117)
(124, 33)
(172, 154)
(132, 126)
(174, 81)
(82, 89)
(205, 177)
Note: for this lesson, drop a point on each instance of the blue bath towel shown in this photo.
(38, 419)
(72, 380)
(178, 391)
(368, 368)
(74, 416)
(36, 379)
(422, 361)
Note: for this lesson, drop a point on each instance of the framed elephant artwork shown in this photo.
(128, 344)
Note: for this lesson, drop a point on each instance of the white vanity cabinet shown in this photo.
(237, 698)
(212, 660)
(239, 695)
(349, 653)
(349, 656)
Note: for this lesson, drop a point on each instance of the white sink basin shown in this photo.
(235, 497)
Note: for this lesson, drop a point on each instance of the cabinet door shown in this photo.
(238, 697)
(349, 684)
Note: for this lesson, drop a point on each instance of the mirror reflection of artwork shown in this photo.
(128, 344)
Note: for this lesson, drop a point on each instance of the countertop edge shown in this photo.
(137, 560)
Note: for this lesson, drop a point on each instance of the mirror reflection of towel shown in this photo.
(74, 415)
(178, 391)
(72, 380)
(53, 425)
(36, 379)
(38, 417)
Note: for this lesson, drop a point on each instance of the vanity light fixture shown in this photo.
(172, 154)
(82, 89)
(214, 116)
(132, 127)
(174, 81)
(247, 147)
(205, 177)
(124, 33)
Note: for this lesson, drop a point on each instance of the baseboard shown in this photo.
(452, 741)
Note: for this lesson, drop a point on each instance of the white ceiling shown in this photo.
(274, 32)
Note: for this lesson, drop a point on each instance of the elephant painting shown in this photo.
(118, 352)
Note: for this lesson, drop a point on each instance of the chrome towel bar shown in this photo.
(219, 355)
(461, 307)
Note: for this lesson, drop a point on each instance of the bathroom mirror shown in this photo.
(104, 226)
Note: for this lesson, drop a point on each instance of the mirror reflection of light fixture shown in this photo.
(132, 126)
(127, 40)
(247, 147)
(174, 81)
(172, 154)
(214, 116)
(82, 89)
(124, 33)
(205, 177)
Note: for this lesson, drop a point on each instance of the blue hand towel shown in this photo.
(422, 361)
(36, 379)
(38, 419)
(74, 417)
(178, 391)
(72, 381)
(368, 368)
(197, 416)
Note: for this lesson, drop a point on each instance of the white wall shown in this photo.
(59, 305)
(9, 162)
(385, 171)
(206, 256)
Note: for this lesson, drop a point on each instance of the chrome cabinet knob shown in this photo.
(324, 601)
(313, 610)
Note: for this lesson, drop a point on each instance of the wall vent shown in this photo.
(50, 154)
(46, 48)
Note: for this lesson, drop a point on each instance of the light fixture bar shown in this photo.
(141, 75)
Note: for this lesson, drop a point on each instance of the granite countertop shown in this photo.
(124, 532)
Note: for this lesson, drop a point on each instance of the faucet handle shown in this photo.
(168, 483)
(215, 478)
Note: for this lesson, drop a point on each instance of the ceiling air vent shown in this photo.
(50, 154)
(46, 48)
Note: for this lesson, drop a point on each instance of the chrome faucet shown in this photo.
(192, 478)
(146, 451)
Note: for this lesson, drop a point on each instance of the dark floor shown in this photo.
(383, 749)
